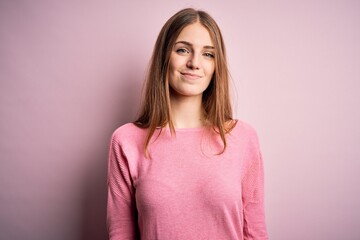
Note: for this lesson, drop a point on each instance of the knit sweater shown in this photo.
(185, 190)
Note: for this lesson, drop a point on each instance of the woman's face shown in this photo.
(192, 61)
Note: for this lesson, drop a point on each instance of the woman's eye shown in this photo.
(210, 55)
(182, 50)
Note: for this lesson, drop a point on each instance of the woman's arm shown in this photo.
(121, 208)
(253, 195)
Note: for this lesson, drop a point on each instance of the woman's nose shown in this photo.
(194, 62)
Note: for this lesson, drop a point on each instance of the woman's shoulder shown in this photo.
(241, 125)
(128, 131)
(244, 129)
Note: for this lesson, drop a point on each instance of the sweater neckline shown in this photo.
(195, 129)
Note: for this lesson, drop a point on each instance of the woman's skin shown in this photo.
(192, 66)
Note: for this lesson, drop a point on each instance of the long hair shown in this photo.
(155, 109)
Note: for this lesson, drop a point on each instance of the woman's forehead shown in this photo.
(196, 35)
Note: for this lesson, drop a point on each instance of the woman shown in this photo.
(185, 169)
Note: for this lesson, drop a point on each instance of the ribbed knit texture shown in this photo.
(185, 191)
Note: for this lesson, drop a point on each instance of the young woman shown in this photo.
(185, 169)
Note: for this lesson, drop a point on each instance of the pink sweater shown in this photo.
(185, 191)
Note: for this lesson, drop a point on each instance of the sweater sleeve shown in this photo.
(253, 195)
(121, 208)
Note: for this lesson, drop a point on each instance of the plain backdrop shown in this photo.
(71, 72)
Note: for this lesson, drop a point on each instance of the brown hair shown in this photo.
(155, 109)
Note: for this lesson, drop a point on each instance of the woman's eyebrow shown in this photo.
(189, 44)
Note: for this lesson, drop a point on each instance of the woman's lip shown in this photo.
(190, 75)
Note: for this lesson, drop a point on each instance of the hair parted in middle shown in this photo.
(156, 108)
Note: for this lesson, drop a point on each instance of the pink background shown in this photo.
(72, 71)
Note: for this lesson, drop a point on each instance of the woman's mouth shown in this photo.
(191, 76)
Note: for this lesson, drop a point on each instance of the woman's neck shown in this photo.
(187, 112)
